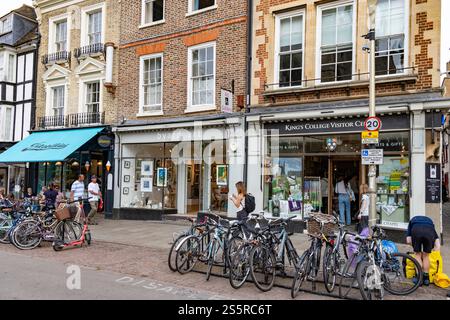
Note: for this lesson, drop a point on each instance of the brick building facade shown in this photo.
(176, 57)
(310, 83)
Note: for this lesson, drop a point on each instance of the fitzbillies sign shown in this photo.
(45, 147)
(336, 125)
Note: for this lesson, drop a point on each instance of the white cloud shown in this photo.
(8, 5)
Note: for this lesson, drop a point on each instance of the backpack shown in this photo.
(249, 203)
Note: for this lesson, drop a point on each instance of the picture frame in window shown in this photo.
(127, 164)
(222, 175)
(189, 173)
(147, 168)
(161, 177)
(126, 190)
(146, 184)
(126, 178)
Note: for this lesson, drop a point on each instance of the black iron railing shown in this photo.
(52, 121)
(360, 76)
(62, 56)
(71, 120)
(89, 50)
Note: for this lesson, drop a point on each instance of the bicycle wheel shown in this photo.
(27, 235)
(330, 267)
(347, 279)
(211, 258)
(187, 254)
(172, 253)
(68, 231)
(395, 280)
(232, 247)
(370, 281)
(6, 224)
(239, 266)
(301, 271)
(262, 267)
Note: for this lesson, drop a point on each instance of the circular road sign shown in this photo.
(372, 124)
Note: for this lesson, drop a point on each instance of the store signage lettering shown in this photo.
(329, 125)
(395, 122)
(45, 147)
(432, 182)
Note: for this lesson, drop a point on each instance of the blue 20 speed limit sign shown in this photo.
(372, 124)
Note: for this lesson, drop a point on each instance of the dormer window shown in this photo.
(6, 25)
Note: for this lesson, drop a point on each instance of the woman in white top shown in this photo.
(363, 216)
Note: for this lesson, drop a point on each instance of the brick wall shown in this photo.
(226, 25)
(423, 52)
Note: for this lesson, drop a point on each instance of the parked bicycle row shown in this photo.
(259, 250)
(25, 228)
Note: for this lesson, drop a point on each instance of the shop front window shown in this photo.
(17, 181)
(149, 177)
(283, 172)
(3, 179)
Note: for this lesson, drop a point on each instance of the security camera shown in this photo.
(366, 48)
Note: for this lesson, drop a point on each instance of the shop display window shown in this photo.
(393, 191)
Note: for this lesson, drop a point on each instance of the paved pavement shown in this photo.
(44, 279)
(130, 257)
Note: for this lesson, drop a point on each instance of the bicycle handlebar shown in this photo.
(79, 200)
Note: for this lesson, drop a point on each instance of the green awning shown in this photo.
(49, 146)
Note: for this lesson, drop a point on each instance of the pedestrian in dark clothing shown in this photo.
(50, 196)
(422, 236)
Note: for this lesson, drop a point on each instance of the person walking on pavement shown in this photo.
(94, 197)
(423, 237)
(343, 191)
(77, 189)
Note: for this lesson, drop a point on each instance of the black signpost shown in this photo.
(432, 182)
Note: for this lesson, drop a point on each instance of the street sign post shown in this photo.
(369, 137)
(372, 124)
(372, 156)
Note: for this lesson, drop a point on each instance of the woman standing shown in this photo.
(239, 200)
(344, 192)
(363, 216)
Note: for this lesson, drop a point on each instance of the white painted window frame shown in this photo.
(49, 96)
(85, 22)
(143, 113)
(154, 23)
(52, 32)
(278, 19)
(2, 24)
(406, 49)
(3, 120)
(326, 6)
(207, 107)
(82, 91)
(6, 67)
(192, 12)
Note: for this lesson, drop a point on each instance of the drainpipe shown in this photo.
(249, 81)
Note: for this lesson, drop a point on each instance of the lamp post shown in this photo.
(372, 8)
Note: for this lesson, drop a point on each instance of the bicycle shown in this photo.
(30, 232)
(267, 254)
(61, 242)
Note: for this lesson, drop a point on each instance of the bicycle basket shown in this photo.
(320, 223)
(62, 213)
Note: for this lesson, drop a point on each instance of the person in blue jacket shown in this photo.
(423, 237)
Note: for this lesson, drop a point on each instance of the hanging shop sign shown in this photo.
(372, 156)
(104, 141)
(369, 137)
(227, 101)
(432, 182)
(394, 122)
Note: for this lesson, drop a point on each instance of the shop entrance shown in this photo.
(193, 183)
(322, 173)
(350, 170)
